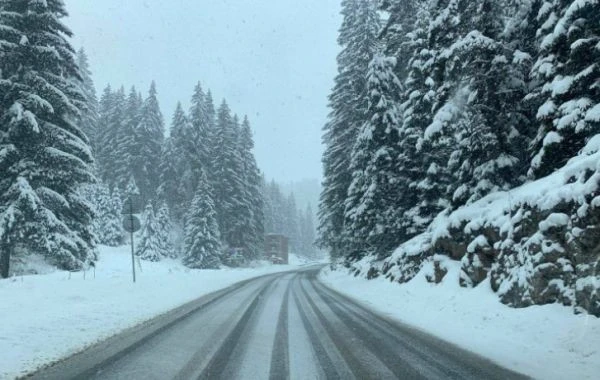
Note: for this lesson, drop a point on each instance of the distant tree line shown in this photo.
(283, 216)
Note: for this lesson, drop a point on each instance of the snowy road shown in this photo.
(282, 326)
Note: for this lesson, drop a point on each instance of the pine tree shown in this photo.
(202, 247)
(150, 247)
(202, 127)
(424, 165)
(251, 216)
(228, 183)
(103, 133)
(45, 157)
(179, 178)
(358, 38)
(126, 147)
(149, 136)
(170, 190)
(111, 232)
(89, 113)
(107, 224)
(485, 160)
(131, 188)
(164, 228)
(374, 203)
(111, 134)
(568, 74)
(211, 135)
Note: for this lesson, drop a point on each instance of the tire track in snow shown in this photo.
(363, 363)
(280, 358)
(220, 365)
(330, 359)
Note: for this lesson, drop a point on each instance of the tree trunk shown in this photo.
(4, 261)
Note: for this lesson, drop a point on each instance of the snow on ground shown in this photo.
(545, 342)
(47, 317)
(299, 260)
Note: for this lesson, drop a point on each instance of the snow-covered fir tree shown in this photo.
(149, 136)
(228, 185)
(111, 227)
(164, 230)
(125, 149)
(111, 133)
(373, 205)
(170, 190)
(178, 177)
(251, 215)
(89, 113)
(131, 188)
(202, 245)
(202, 128)
(107, 206)
(568, 74)
(45, 157)
(150, 246)
(358, 38)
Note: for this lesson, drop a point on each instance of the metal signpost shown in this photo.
(131, 223)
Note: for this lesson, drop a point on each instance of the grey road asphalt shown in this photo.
(281, 326)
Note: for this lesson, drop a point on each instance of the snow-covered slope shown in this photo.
(47, 317)
(546, 342)
(534, 245)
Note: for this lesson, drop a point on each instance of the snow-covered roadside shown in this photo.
(545, 342)
(47, 317)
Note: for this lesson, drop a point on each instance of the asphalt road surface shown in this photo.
(282, 326)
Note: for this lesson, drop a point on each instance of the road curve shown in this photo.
(282, 326)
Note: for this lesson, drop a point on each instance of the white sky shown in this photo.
(271, 59)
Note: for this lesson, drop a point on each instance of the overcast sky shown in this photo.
(273, 60)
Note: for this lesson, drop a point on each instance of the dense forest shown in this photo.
(70, 159)
(439, 103)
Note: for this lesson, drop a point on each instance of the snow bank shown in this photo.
(545, 342)
(48, 317)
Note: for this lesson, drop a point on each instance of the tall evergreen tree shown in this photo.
(45, 157)
(170, 189)
(202, 126)
(419, 161)
(164, 229)
(251, 217)
(358, 38)
(111, 134)
(185, 174)
(89, 113)
(228, 182)
(111, 221)
(149, 136)
(125, 149)
(373, 206)
(202, 247)
(150, 247)
(107, 224)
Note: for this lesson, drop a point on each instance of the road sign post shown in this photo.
(131, 223)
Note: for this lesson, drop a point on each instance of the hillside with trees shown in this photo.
(443, 107)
